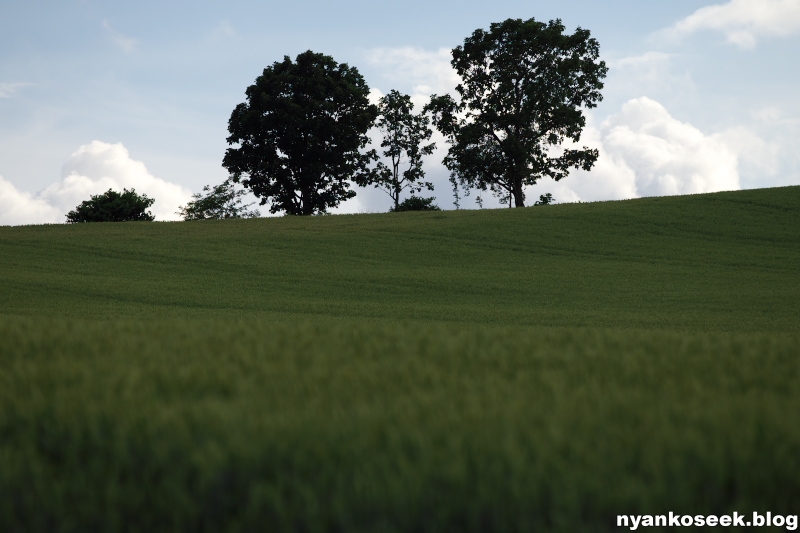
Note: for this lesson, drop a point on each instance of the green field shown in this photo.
(537, 369)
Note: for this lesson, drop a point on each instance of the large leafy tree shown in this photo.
(404, 135)
(113, 206)
(300, 134)
(524, 84)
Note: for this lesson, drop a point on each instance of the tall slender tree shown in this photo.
(524, 84)
(404, 135)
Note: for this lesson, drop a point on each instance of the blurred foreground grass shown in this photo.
(242, 426)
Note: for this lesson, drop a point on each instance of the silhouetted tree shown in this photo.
(523, 86)
(113, 206)
(300, 134)
(545, 199)
(403, 136)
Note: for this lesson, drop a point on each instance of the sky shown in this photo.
(700, 95)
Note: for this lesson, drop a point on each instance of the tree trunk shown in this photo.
(306, 208)
(519, 196)
(396, 183)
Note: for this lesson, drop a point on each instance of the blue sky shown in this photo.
(701, 96)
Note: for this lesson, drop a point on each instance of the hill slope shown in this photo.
(542, 369)
(714, 262)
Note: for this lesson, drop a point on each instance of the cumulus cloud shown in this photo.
(18, 207)
(644, 151)
(668, 156)
(415, 71)
(743, 22)
(93, 169)
(375, 96)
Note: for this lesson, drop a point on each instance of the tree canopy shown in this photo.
(300, 134)
(220, 201)
(404, 133)
(523, 86)
(113, 206)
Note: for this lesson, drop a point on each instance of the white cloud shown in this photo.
(668, 156)
(18, 207)
(644, 151)
(92, 169)
(415, 71)
(375, 96)
(7, 90)
(662, 76)
(126, 43)
(767, 146)
(744, 21)
(756, 155)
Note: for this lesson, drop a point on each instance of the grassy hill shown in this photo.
(503, 370)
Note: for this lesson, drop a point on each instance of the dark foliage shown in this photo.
(545, 199)
(524, 84)
(415, 203)
(221, 201)
(300, 134)
(113, 206)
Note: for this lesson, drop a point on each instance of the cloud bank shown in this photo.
(19, 207)
(92, 169)
(743, 22)
(645, 151)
